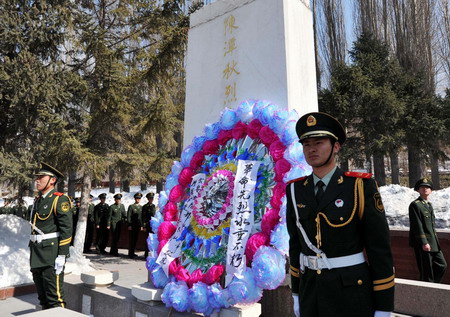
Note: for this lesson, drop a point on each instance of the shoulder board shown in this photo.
(58, 194)
(296, 180)
(358, 174)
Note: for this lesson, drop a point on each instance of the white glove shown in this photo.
(59, 263)
(379, 313)
(297, 305)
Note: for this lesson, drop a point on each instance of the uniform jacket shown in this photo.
(101, 214)
(117, 214)
(90, 217)
(51, 214)
(349, 219)
(134, 215)
(421, 225)
(148, 211)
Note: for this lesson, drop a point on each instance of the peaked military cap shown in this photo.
(150, 195)
(47, 170)
(138, 195)
(118, 196)
(423, 182)
(102, 196)
(319, 125)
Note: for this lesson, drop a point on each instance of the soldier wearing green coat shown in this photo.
(21, 209)
(422, 235)
(6, 209)
(90, 225)
(51, 234)
(148, 211)
(336, 221)
(101, 218)
(118, 217)
(134, 217)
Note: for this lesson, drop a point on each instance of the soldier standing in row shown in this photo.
(51, 234)
(90, 225)
(148, 211)
(134, 217)
(423, 237)
(335, 218)
(21, 209)
(6, 209)
(118, 217)
(101, 217)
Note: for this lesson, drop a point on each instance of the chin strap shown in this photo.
(333, 141)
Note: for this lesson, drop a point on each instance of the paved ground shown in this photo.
(132, 272)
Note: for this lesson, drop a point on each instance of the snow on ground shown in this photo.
(14, 231)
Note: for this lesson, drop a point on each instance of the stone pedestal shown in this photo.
(241, 311)
(55, 312)
(99, 278)
(146, 293)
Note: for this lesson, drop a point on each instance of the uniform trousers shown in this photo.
(116, 229)
(89, 236)
(432, 265)
(49, 286)
(134, 234)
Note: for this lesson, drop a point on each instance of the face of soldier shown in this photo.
(150, 200)
(137, 200)
(117, 201)
(317, 150)
(424, 191)
(44, 183)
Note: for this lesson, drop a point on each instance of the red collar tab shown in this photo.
(58, 194)
(297, 180)
(358, 174)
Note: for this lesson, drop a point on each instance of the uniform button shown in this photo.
(319, 272)
(360, 282)
(342, 218)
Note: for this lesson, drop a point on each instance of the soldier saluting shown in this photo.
(332, 218)
(51, 234)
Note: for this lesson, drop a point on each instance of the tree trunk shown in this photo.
(143, 186)
(71, 185)
(126, 185)
(60, 186)
(83, 213)
(378, 167)
(159, 186)
(31, 189)
(414, 164)
(344, 165)
(435, 171)
(112, 182)
(395, 168)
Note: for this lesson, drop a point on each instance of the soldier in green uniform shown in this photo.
(6, 209)
(332, 218)
(118, 217)
(90, 225)
(75, 212)
(51, 234)
(148, 211)
(21, 209)
(101, 218)
(134, 217)
(422, 235)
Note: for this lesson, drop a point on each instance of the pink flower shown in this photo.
(213, 275)
(170, 217)
(182, 274)
(173, 267)
(161, 244)
(165, 230)
(276, 150)
(270, 219)
(176, 194)
(267, 136)
(253, 128)
(210, 147)
(278, 192)
(239, 131)
(224, 136)
(253, 244)
(281, 167)
(185, 176)
(195, 277)
(197, 160)
(171, 208)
